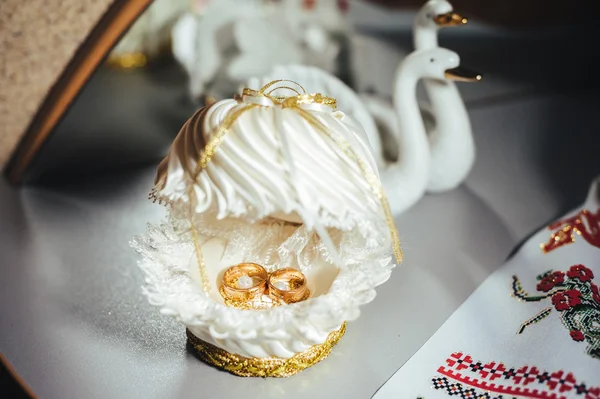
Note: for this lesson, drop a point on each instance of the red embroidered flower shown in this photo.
(577, 335)
(581, 273)
(548, 282)
(596, 293)
(566, 299)
(593, 393)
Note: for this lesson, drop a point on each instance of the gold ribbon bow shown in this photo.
(289, 101)
(299, 103)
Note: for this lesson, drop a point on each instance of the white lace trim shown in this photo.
(166, 250)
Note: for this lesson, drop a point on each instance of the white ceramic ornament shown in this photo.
(406, 179)
(278, 180)
(246, 38)
(201, 38)
(446, 120)
(452, 145)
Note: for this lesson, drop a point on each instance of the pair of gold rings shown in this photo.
(249, 282)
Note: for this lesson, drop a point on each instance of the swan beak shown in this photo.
(463, 75)
(449, 19)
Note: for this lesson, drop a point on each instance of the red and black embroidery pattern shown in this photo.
(585, 223)
(454, 388)
(495, 377)
(577, 299)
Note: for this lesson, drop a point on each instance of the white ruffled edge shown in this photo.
(168, 285)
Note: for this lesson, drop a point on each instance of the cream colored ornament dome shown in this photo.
(272, 161)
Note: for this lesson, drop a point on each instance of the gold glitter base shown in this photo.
(268, 366)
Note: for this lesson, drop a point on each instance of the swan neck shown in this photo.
(405, 91)
(425, 37)
(413, 142)
(447, 106)
(406, 180)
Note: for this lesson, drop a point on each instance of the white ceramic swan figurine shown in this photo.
(452, 145)
(406, 179)
(433, 16)
(448, 127)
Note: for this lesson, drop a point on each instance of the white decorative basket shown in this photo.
(230, 213)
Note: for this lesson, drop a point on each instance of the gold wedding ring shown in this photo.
(245, 282)
(288, 285)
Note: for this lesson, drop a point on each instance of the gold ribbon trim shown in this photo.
(301, 97)
(295, 102)
(264, 367)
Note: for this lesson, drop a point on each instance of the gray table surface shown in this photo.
(73, 321)
(75, 324)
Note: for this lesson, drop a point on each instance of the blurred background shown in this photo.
(180, 54)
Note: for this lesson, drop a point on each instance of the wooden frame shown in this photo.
(94, 49)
